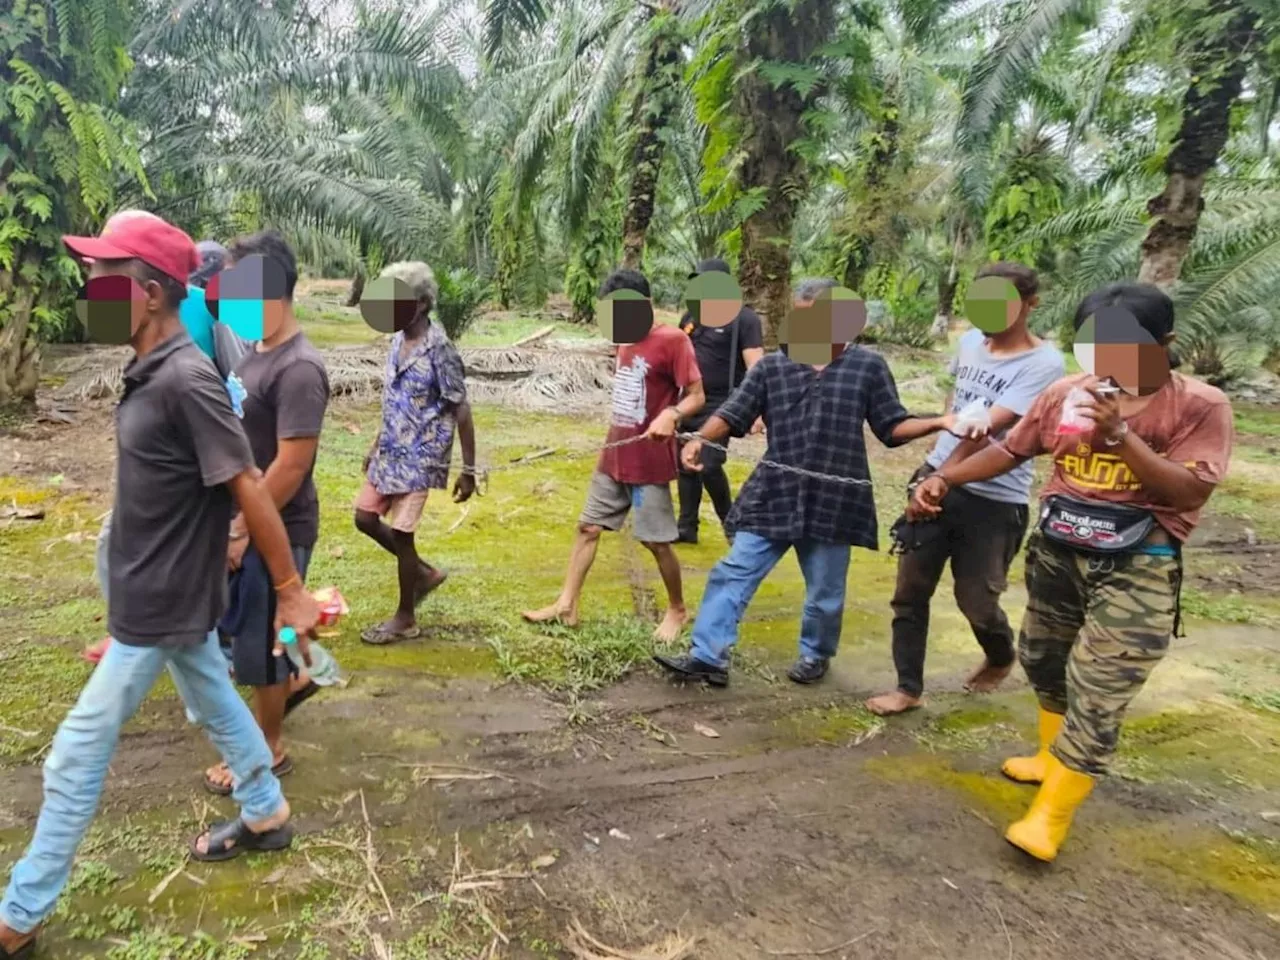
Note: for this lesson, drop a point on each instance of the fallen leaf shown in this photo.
(328, 634)
(353, 429)
(618, 834)
(544, 861)
(276, 875)
(337, 553)
(706, 731)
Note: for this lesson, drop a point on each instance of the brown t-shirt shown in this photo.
(1187, 421)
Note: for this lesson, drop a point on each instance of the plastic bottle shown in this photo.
(324, 668)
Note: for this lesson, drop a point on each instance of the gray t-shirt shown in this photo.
(178, 442)
(286, 392)
(1010, 382)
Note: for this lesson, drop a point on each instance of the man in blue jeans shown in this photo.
(813, 415)
(182, 459)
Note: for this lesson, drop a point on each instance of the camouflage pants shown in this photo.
(1094, 629)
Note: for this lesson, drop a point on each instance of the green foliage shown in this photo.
(461, 295)
(898, 310)
(63, 151)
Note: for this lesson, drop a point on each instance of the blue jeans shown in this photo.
(734, 580)
(77, 765)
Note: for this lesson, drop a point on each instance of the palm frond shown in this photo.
(990, 92)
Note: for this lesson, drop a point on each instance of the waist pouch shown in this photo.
(1095, 527)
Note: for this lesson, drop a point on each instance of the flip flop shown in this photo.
(229, 839)
(299, 697)
(380, 637)
(285, 766)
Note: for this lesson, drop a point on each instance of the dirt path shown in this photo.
(446, 814)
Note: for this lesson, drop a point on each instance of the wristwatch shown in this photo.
(1119, 436)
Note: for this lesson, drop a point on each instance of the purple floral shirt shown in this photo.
(419, 400)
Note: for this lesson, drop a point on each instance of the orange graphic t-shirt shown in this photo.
(1187, 421)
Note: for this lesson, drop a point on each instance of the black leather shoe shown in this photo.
(807, 670)
(688, 667)
(686, 537)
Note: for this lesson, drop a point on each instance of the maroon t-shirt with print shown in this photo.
(648, 378)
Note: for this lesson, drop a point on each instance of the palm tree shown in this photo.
(605, 55)
(1218, 41)
(762, 77)
(342, 131)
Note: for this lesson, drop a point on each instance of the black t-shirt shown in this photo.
(713, 347)
(178, 442)
(287, 390)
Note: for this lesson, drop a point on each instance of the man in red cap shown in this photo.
(182, 458)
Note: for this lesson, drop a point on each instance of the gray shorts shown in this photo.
(609, 502)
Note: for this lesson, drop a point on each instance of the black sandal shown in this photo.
(229, 839)
(285, 766)
(299, 697)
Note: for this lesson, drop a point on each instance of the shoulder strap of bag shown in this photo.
(733, 353)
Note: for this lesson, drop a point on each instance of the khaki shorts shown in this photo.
(609, 502)
(402, 511)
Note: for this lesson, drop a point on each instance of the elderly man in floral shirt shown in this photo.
(423, 401)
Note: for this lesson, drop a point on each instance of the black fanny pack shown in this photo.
(1095, 527)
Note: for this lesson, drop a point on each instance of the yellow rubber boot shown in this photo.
(1041, 832)
(1032, 769)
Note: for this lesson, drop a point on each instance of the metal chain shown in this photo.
(482, 473)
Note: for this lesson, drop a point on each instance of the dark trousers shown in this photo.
(713, 478)
(980, 537)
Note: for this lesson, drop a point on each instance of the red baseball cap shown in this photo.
(155, 242)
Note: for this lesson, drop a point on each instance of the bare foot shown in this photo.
(427, 582)
(671, 625)
(556, 613)
(986, 678)
(889, 704)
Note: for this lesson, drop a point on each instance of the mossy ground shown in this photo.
(1208, 725)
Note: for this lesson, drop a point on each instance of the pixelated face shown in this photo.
(993, 304)
(818, 331)
(625, 316)
(114, 306)
(1112, 345)
(713, 299)
(249, 297)
(388, 305)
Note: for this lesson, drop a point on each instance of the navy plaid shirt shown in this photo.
(814, 420)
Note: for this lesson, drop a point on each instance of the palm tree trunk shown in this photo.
(771, 117)
(356, 290)
(1218, 64)
(874, 217)
(19, 348)
(651, 114)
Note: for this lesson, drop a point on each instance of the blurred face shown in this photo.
(249, 296)
(115, 306)
(817, 331)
